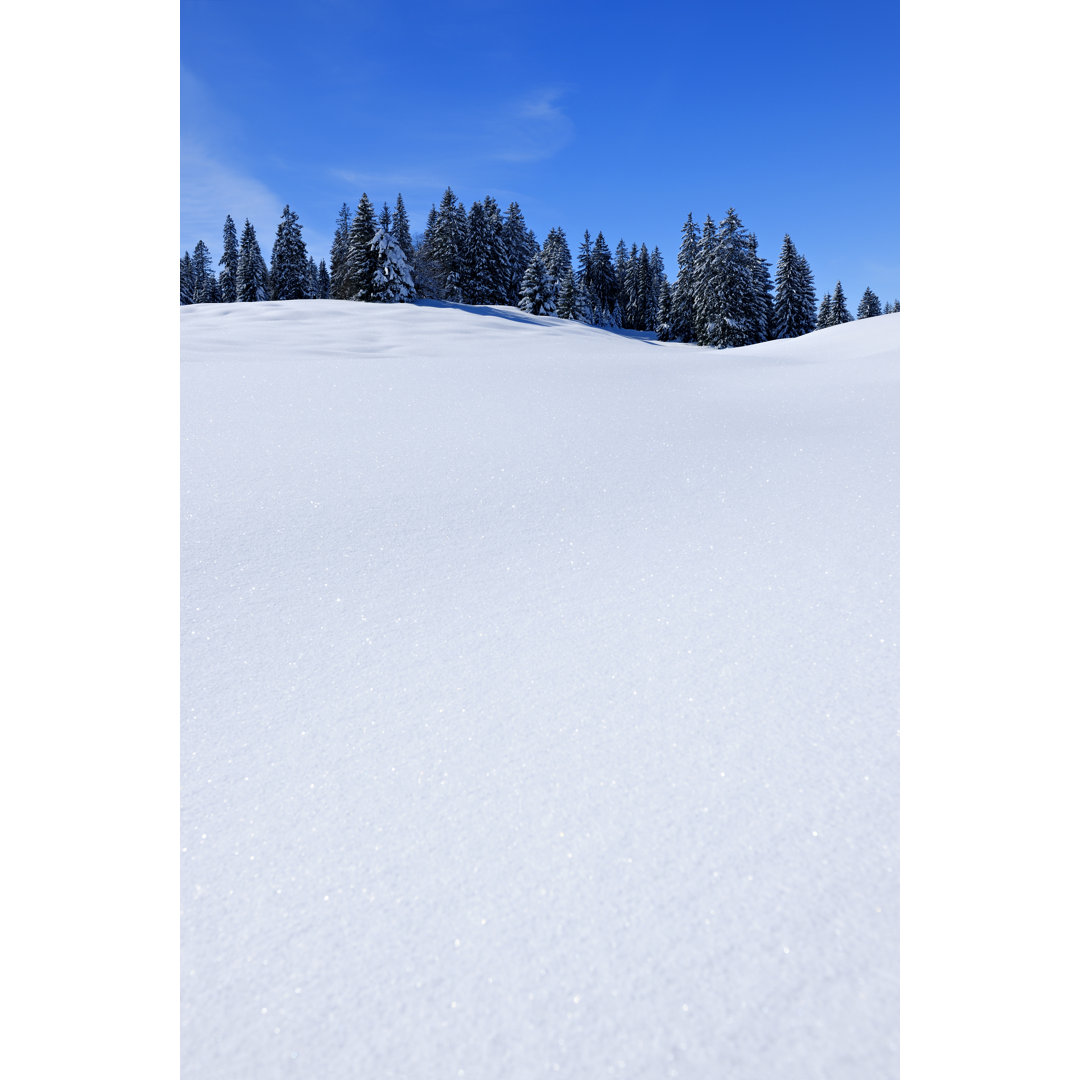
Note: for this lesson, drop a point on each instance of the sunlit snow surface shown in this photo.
(540, 692)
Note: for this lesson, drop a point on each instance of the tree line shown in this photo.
(724, 295)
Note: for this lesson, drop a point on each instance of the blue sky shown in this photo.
(621, 118)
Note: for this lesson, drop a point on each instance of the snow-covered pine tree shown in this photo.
(568, 304)
(840, 313)
(360, 278)
(604, 293)
(895, 306)
(682, 295)
(706, 280)
(311, 280)
(227, 277)
(515, 236)
(789, 307)
(537, 292)
(869, 305)
(399, 226)
(556, 256)
(339, 255)
(393, 275)
(187, 280)
(324, 281)
(736, 287)
(288, 260)
(805, 290)
(656, 276)
(585, 281)
(663, 312)
(498, 264)
(621, 260)
(384, 217)
(888, 308)
(204, 286)
(447, 246)
(825, 312)
(252, 279)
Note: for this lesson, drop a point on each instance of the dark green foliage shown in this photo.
(324, 281)
(825, 312)
(840, 313)
(187, 280)
(339, 256)
(227, 277)
(204, 285)
(537, 289)
(568, 303)
(663, 312)
(446, 247)
(399, 226)
(360, 275)
(869, 305)
(288, 260)
(793, 310)
(252, 279)
(682, 297)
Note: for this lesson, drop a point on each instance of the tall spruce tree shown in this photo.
(825, 312)
(794, 305)
(399, 226)
(736, 285)
(324, 281)
(311, 280)
(663, 312)
(227, 277)
(568, 303)
(187, 280)
(288, 260)
(204, 289)
(252, 278)
(537, 290)
(339, 255)
(393, 275)
(869, 305)
(360, 280)
(518, 249)
(840, 313)
(605, 300)
(706, 282)
(683, 320)
(447, 247)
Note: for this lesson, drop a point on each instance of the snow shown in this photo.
(540, 698)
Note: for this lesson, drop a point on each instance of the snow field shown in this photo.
(539, 698)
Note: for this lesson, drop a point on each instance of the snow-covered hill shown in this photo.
(540, 694)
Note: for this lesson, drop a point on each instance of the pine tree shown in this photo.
(869, 305)
(324, 281)
(840, 313)
(447, 247)
(888, 308)
(339, 256)
(735, 284)
(393, 275)
(622, 264)
(896, 306)
(682, 297)
(187, 280)
(825, 312)
(518, 250)
(311, 280)
(537, 292)
(793, 310)
(568, 304)
(604, 295)
(227, 278)
(204, 286)
(556, 256)
(252, 279)
(706, 277)
(425, 272)
(288, 260)
(657, 277)
(399, 226)
(663, 312)
(360, 279)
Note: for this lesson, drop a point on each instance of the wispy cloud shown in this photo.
(532, 129)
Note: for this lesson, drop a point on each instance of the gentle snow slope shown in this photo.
(539, 698)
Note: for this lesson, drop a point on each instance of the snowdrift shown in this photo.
(539, 692)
